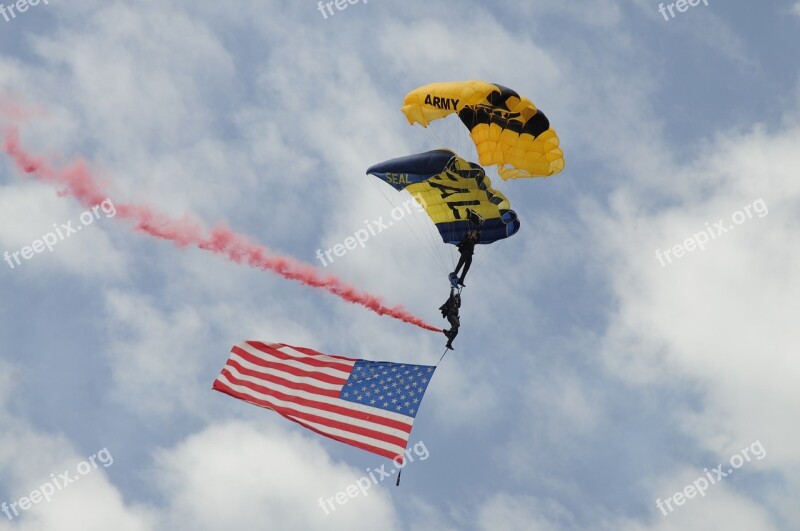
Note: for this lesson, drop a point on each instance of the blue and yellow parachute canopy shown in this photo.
(454, 192)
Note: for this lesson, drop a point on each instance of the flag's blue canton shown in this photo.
(396, 387)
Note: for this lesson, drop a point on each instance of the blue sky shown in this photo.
(589, 380)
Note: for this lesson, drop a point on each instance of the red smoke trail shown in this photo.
(77, 181)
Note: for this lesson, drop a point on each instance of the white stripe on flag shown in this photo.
(339, 417)
(296, 364)
(355, 436)
(310, 380)
(289, 351)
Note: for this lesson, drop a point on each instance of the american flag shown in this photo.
(367, 404)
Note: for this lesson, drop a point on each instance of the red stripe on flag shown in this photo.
(375, 418)
(310, 388)
(310, 360)
(305, 350)
(288, 368)
(295, 414)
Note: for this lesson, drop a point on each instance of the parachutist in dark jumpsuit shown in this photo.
(450, 311)
(467, 248)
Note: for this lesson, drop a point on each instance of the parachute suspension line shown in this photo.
(434, 238)
(440, 252)
(499, 184)
(450, 133)
(485, 256)
(440, 359)
(431, 232)
(429, 246)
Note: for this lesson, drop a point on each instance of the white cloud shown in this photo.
(721, 318)
(30, 459)
(161, 99)
(30, 213)
(237, 475)
(155, 368)
(228, 475)
(520, 513)
(719, 507)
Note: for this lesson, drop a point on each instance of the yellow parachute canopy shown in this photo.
(507, 129)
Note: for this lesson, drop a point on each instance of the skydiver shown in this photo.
(450, 311)
(466, 247)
